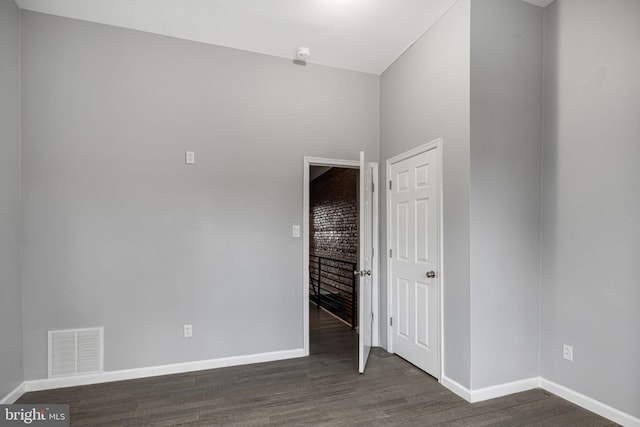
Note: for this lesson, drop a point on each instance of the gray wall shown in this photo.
(591, 236)
(11, 372)
(119, 232)
(506, 144)
(424, 95)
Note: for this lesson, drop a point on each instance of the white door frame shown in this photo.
(375, 281)
(437, 144)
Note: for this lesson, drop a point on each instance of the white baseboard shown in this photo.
(458, 389)
(472, 396)
(590, 404)
(478, 395)
(152, 371)
(579, 399)
(486, 393)
(13, 395)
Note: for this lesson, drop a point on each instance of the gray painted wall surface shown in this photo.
(424, 95)
(119, 232)
(591, 234)
(506, 143)
(11, 372)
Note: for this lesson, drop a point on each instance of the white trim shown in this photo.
(492, 392)
(456, 388)
(474, 396)
(590, 404)
(13, 395)
(415, 151)
(305, 255)
(354, 164)
(321, 161)
(152, 371)
(438, 145)
(386, 255)
(441, 237)
(377, 256)
(486, 393)
(572, 396)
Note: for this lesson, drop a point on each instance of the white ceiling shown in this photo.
(359, 35)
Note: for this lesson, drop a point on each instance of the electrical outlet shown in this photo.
(188, 331)
(567, 352)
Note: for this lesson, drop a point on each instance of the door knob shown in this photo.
(431, 274)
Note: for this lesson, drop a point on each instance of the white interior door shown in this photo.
(365, 307)
(415, 285)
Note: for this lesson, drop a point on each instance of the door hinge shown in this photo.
(371, 317)
(390, 321)
(373, 187)
(390, 253)
(390, 185)
(373, 252)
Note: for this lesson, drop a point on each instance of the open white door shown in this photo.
(365, 308)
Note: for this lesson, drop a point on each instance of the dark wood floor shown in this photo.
(323, 389)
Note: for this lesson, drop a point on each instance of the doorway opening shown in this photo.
(365, 303)
(333, 242)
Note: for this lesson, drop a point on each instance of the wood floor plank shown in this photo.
(321, 390)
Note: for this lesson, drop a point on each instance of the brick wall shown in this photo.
(334, 214)
(334, 227)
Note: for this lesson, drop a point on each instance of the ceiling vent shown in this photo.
(76, 352)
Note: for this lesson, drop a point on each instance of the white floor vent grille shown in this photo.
(76, 352)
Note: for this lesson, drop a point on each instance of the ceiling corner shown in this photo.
(541, 3)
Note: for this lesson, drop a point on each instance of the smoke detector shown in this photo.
(302, 54)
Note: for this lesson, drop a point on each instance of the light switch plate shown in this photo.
(190, 157)
(567, 352)
(295, 231)
(188, 331)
